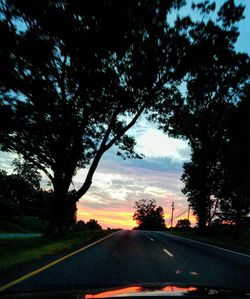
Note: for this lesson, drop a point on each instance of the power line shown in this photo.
(176, 216)
(180, 214)
(168, 222)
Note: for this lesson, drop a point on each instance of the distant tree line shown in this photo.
(92, 224)
(21, 194)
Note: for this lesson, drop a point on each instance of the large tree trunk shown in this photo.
(58, 220)
(60, 208)
(202, 224)
(203, 214)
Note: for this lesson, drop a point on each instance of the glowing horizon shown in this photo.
(119, 219)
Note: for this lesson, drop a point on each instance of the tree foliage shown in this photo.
(75, 76)
(214, 84)
(148, 215)
(20, 192)
(93, 224)
(183, 223)
(22, 186)
(28, 172)
(233, 186)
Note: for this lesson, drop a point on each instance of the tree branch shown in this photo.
(60, 79)
(42, 155)
(39, 166)
(103, 148)
(126, 128)
(63, 71)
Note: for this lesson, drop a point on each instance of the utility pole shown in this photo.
(188, 211)
(172, 214)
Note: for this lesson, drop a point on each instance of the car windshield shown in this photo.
(124, 147)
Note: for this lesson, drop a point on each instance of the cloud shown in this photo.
(118, 183)
(153, 143)
(6, 160)
(107, 218)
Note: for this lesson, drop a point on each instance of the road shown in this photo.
(134, 257)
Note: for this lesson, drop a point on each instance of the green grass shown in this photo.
(7, 227)
(220, 239)
(15, 252)
(22, 224)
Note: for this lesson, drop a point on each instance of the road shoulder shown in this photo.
(212, 243)
(22, 269)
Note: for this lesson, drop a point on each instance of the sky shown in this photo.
(118, 183)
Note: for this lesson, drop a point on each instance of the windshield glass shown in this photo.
(124, 146)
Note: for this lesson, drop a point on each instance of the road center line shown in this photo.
(152, 239)
(24, 277)
(168, 252)
(194, 273)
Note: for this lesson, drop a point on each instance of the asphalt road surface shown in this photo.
(134, 257)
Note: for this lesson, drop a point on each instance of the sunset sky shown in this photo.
(117, 184)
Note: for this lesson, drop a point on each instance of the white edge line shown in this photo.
(168, 252)
(193, 273)
(228, 250)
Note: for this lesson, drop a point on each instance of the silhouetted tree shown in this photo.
(215, 81)
(80, 225)
(221, 166)
(22, 186)
(148, 216)
(20, 192)
(5, 183)
(234, 182)
(28, 172)
(183, 223)
(75, 76)
(92, 224)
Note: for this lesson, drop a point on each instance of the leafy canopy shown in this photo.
(76, 75)
(148, 215)
(215, 81)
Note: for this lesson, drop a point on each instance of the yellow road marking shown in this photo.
(22, 278)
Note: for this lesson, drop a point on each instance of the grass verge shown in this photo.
(15, 252)
(22, 224)
(241, 244)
